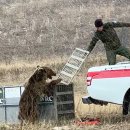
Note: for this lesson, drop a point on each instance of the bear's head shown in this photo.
(42, 73)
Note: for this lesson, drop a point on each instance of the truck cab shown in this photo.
(109, 84)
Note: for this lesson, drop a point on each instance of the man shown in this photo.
(107, 34)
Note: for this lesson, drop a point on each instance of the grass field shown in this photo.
(110, 115)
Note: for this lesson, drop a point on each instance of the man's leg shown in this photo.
(111, 57)
(123, 52)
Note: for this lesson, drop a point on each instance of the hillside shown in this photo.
(34, 29)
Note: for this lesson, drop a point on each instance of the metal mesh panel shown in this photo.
(69, 70)
(64, 101)
(65, 97)
(79, 53)
(64, 107)
(63, 88)
(74, 62)
(66, 78)
(73, 65)
(1, 96)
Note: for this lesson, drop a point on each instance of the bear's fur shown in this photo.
(34, 88)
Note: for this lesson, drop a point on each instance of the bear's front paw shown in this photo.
(59, 80)
(55, 82)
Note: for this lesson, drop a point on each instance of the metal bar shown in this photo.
(63, 93)
(72, 66)
(64, 82)
(64, 112)
(82, 50)
(5, 107)
(20, 91)
(9, 105)
(55, 103)
(77, 58)
(64, 102)
(67, 74)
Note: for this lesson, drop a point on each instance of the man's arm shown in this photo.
(92, 44)
(118, 24)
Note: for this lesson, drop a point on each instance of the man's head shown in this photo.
(99, 24)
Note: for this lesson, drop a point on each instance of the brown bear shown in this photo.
(34, 88)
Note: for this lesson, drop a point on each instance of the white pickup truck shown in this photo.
(109, 84)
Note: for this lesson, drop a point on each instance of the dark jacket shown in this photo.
(108, 36)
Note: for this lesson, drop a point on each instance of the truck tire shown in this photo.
(126, 105)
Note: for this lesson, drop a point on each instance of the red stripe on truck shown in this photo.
(109, 74)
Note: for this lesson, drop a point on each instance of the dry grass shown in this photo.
(110, 115)
(17, 72)
(33, 29)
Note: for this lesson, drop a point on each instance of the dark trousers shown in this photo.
(111, 55)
